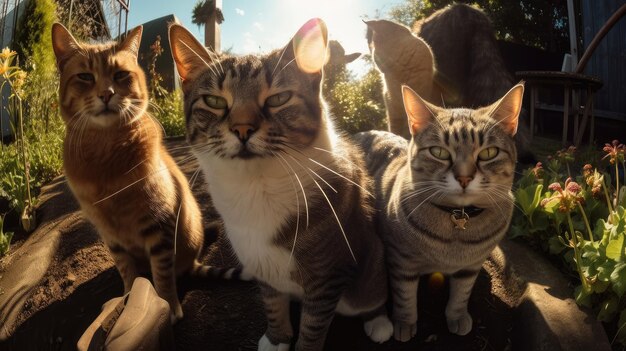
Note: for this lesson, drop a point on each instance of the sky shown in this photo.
(253, 26)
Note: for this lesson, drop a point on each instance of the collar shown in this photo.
(471, 211)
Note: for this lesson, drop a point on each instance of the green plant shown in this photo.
(582, 221)
(14, 77)
(168, 110)
(5, 238)
(356, 104)
(167, 107)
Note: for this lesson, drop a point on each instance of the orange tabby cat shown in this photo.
(127, 184)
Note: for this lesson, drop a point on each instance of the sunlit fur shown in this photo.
(126, 183)
(418, 188)
(294, 195)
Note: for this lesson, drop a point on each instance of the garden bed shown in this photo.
(54, 281)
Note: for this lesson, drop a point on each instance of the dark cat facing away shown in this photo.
(443, 199)
(467, 69)
(293, 193)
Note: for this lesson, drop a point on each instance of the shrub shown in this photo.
(356, 104)
(581, 218)
(168, 110)
(5, 238)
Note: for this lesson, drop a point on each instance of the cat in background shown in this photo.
(292, 192)
(444, 198)
(126, 183)
(450, 59)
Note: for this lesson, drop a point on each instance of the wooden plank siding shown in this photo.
(608, 62)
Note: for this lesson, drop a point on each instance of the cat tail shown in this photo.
(207, 271)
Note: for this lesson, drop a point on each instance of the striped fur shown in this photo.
(412, 185)
(126, 183)
(292, 192)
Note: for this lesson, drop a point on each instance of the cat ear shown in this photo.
(187, 51)
(63, 44)
(309, 46)
(132, 41)
(419, 112)
(506, 110)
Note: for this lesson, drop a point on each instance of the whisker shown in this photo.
(336, 218)
(295, 190)
(340, 175)
(180, 206)
(129, 185)
(421, 203)
(135, 166)
(336, 155)
(279, 59)
(409, 196)
(307, 169)
(306, 205)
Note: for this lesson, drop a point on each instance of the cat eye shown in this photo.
(216, 102)
(120, 75)
(87, 77)
(278, 99)
(440, 153)
(488, 153)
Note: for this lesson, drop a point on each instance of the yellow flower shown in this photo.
(6, 53)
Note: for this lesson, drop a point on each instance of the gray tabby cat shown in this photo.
(444, 198)
(292, 192)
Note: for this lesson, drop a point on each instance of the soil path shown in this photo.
(55, 280)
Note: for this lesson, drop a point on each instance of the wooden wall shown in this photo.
(608, 61)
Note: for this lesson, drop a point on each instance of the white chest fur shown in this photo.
(255, 201)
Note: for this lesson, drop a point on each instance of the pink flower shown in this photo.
(568, 198)
(615, 151)
(538, 170)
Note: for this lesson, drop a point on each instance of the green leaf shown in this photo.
(551, 206)
(583, 298)
(599, 287)
(517, 231)
(618, 278)
(605, 270)
(540, 221)
(614, 249)
(622, 196)
(5, 242)
(528, 198)
(608, 309)
(556, 245)
(621, 327)
(537, 196)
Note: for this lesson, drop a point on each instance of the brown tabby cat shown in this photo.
(292, 192)
(444, 199)
(127, 184)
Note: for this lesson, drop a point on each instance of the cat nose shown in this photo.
(106, 94)
(243, 131)
(464, 181)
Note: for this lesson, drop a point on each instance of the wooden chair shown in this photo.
(574, 85)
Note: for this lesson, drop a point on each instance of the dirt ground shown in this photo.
(55, 280)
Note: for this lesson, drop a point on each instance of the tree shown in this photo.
(538, 23)
(206, 13)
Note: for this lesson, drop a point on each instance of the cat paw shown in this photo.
(460, 325)
(404, 332)
(379, 329)
(266, 345)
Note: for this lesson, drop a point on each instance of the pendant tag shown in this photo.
(459, 219)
